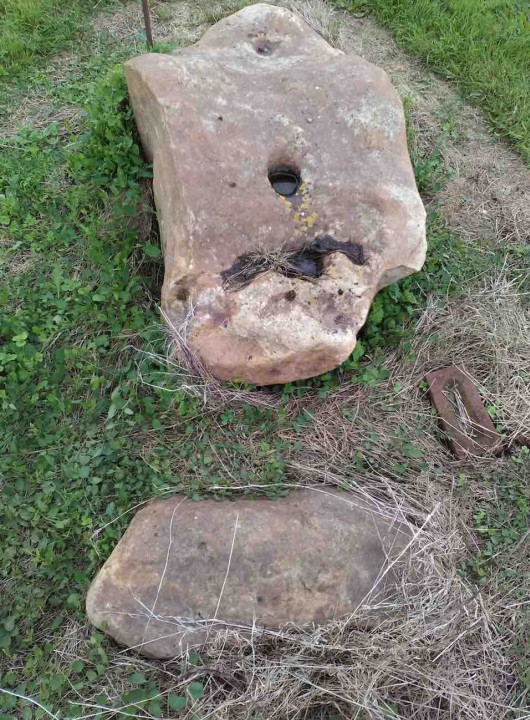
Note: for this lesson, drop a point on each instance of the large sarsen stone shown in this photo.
(285, 194)
(185, 570)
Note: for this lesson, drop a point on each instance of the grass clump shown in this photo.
(484, 45)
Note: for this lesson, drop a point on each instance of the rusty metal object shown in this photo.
(147, 21)
(484, 439)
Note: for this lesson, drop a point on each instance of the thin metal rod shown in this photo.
(147, 21)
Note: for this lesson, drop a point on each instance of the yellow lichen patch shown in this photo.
(333, 272)
(311, 220)
(284, 201)
(305, 222)
(303, 218)
(300, 206)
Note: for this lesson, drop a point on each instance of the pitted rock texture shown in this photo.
(186, 570)
(262, 91)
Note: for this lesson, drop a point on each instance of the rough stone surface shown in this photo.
(185, 570)
(262, 90)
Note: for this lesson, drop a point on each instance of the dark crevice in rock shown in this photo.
(307, 263)
(265, 47)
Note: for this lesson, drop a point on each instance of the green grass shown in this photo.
(33, 29)
(484, 45)
(92, 425)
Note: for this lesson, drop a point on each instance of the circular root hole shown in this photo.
(284, 180)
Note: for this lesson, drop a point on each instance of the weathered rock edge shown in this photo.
(261, 89)
(184, 570)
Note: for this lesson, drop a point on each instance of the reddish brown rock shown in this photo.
(277, 286)
(185, 570)
(478, 435)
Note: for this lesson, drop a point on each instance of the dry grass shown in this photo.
(186, 371)
(422, 663)
(488, 333)
(321, 16)
(443, 649)
(170, 20)
(263, 260)
(36, 111)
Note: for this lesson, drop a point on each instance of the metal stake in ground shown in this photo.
(147, 21)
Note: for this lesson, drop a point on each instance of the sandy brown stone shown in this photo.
(260, 91)
(185, 570)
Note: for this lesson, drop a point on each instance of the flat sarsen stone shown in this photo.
(185, 570)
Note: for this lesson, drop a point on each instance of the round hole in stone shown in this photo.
(265, 47)
(284, 180)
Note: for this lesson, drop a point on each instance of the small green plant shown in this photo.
(503, 523)
(92, 425)
(163, 13)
